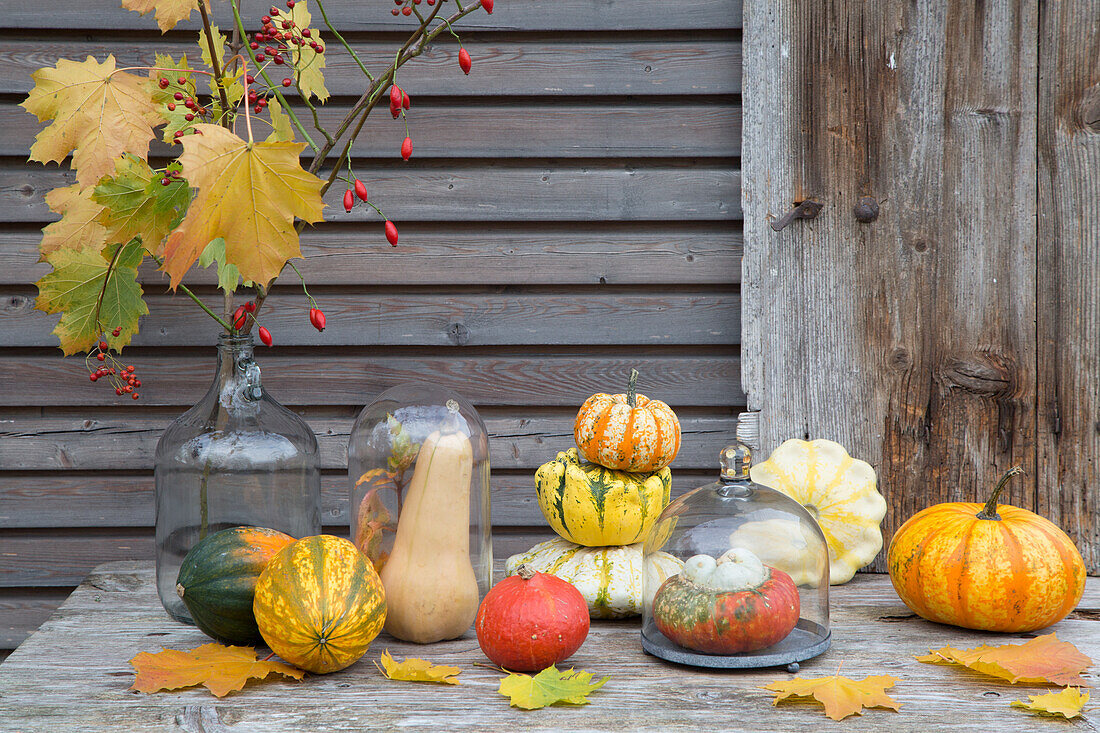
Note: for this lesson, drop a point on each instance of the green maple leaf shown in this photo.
(135, 204)
(93, 294)
(549, 687)
(228, 274)
(308, 64)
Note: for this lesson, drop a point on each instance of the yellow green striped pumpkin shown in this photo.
(595, 506)
(319, 603)
(609, 578)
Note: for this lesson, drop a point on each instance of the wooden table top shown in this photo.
(73, 675)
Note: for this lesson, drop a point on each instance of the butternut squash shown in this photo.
(431, 589)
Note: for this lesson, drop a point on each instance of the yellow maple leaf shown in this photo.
(841, 696)
(79, 226)
(551, 686)
(1039, 660)
(169, 12)
(248, 194)
(96, 113)
(417, 670)
(1067, 703)
(308, 64)
(221, 669)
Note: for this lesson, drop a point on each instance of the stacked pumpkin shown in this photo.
(317, 602)
(603, 497)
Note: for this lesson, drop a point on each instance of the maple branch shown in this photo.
(106, 279)
(192, 296)
(215, 64)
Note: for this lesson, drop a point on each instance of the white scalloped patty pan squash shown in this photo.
(838, 490)
(609, 578)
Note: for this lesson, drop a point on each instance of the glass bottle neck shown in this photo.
(237, 376)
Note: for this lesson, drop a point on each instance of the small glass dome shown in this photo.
(753, 584)
(418, 474)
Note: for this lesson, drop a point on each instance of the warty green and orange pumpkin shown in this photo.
(319, 604)
(627, 432)
(994, 568)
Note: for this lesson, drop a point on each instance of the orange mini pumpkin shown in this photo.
(627, 432)
(997, 568)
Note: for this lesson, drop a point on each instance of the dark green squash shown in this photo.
(217, 580)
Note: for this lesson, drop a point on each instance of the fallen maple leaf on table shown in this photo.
(221, 669)
(549, 687)
(417, 670)
(1042, 659)
(1067, 703)
(841, 696)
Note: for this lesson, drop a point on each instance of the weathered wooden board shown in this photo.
(352, 376)
(447, 253)
(355, 15)
(523, 67)
(407, 318)
(1068, 264)
(43, 558)
(73, 674)
(91, 499)
(494, 190)
(23, 610)
(659, 130)
(125, 438)
(909, 339)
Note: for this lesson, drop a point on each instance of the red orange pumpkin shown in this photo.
(531, 620)
(627, 432)
(995, 568)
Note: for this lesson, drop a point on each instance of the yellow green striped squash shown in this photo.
(609, 578)
(838, 490)
(595, 506)
(319, 603)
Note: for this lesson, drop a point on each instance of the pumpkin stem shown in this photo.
(632, 389)
(525, 571)
(990, 509)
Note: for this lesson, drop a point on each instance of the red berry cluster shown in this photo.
(122, 378)
(183, 95)
(272, 44)
(243, 315)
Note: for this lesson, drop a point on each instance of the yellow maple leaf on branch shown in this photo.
(221, 669)
(168, 12)
(249, 194)
(79, 226)
(1039, 660)
(841, 696)
(95, 112)
(417, 670)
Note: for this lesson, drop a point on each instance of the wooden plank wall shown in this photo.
(573, 209)
(955, 336)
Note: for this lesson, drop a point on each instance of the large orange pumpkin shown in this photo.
(997, 568)
(627, 432)
(319, 603)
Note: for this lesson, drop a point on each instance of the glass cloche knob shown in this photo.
(736, 460)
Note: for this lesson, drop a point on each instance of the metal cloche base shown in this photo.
(805, 641)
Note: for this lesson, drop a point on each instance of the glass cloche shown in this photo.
(418, 471)
(753, 586)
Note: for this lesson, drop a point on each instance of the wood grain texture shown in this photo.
(1068, 287)
(124, 439)
(23, 610)
(909, 339)
(522, 66)
(90, 499)
(485, 190)
(403, 318)
(449, 253)
(354, 376)
(354, 15)
(566, 130)
(115, 614)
